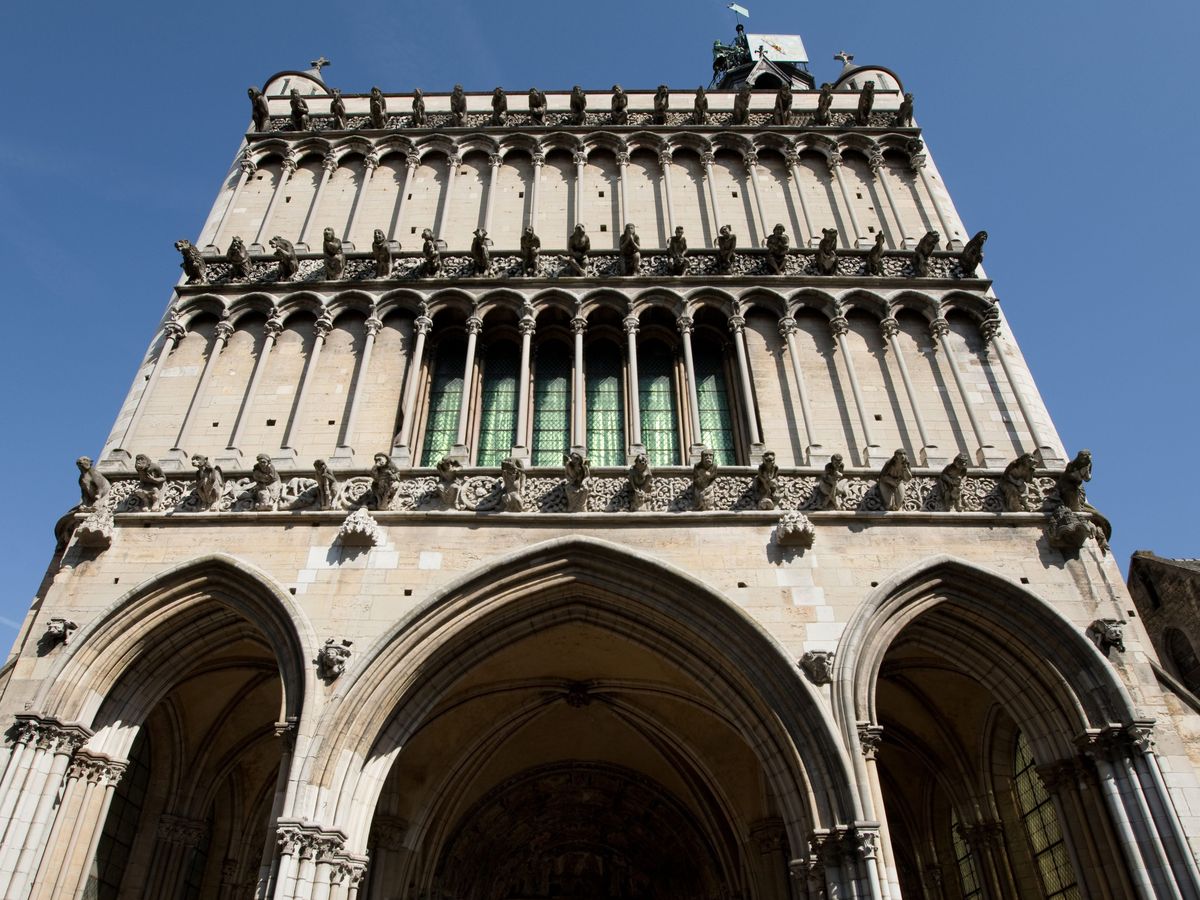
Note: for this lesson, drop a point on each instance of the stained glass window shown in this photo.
(968, 873)
(712, 392)
(445, 399)
(605, 405)
(656, 399)
(1042, 828)
(498, 406)
(551, 404)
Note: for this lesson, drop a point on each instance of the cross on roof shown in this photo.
(846, 58)
(319, 63)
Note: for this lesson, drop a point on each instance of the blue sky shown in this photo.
(1062, 128)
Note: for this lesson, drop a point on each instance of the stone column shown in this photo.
(102, 779)
(460, 451)
(930, 455)
(119, 456)
(370, 164)
(840, 328)
(535, 188)
(578, 421)
(876, 161)
(986, 454)
(285, 173)
(287, 453)
(709, 160)
(452, 164)
(520, 448)
(751, 161)
(248, 168)
(664, 162)
(328, 166)
(495, 161)
(793, 164)
(1067, 781)
(814, 453)
(990, 331)
(232, 458)
(177, 458)
(917, 161)
(835, 169)
(177, 840)
(738, 326)
(684, 323)
(402, 453)
(869, 739)
(345, 449)
(580, 160)
(622, 179)
(411, 162)
(1145, 765)
(635, 409)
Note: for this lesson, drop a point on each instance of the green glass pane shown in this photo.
(498, 412)
(605, 406)
(712, 393)
(551, 405)
(445, 399)
(1042, 826)
(656, 399)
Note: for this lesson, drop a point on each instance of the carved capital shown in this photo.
(917, 162)
(869, 738)
(787, 326)
(792, 158)
(96, 768)
(412, 160)
(453, 162)
(989, 328)
(474, 325)
(274, 326)
(736, 323)
(889, 327)
(707, 159)
(622, 159)
(769, 835)
(329, 163)
(684, 324)
(225, 330)
(665, 159)
(423, 324)
(750, 158)
(371, 160)
(939, 328)
(289, 162)
(539, 158)
(839, 326)
(833, 160)
(527, 325)
(174, 332)
(324, 325)
(247, 165)
(374, 324)
(631, 324)
(495, 160)
(180, 831)
(580, 159)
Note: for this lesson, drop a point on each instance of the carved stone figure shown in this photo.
(1067, 531)
(332, 658)
(818, 666)
(783, 106)
(777, 250)
(866, 100)
(512, 473)
(704, 480)
(641, 482)
(1014, 483)
(578, 472)
(531, 248)
(662, 103)
(631, 251)
(579, 245)
(193, 265)
(418, 108)
(923, 251)
(450, 482)
(578, 106)
(335, 258)
(677, 263)
(741, 105)
(795, 530)
(58, 631)
(726, 249)
(893, 481)
(149, 484)
(93, 486)
(337, 109)
(950, 483)
(458, 107)
(286, 254)
(1109, 634)
(378, 109)
(620, 106)
(972, 254)
(829, 486)
(431, 253)
(537, 107)
(875, 257)
(239, 259)
(267, 484)
(385, 482)
(259, 110)
(381, 250)
(299, 112)
(700, 107)
(1069, 494)
(825, 260)
(209, 482)
(824, 101)
(904, 115)
(499, 107)
(481, 257)
(329, 492)
(766, 482)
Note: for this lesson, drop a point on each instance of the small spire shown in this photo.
(845, 58)
(317, 65)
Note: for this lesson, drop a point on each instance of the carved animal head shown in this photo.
(84, 463)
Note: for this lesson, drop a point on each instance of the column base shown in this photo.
(632, 452)
(756, 453)
(176, 460)
(285, 458)
(117, 460)
(231, 460)
(873, 453)
(816, 455)
(402, 456)
(461, 454)
(694, 452)
(521, 454)
(933, 456)
(343, 458)
(988, 457)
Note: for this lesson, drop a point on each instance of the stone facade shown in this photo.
(734, 646)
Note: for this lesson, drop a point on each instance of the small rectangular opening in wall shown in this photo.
(601, 193)
(741, 584)
(878, 417)
(604, 228)
(859, 196)
(520, 193)
(870, 229)
(410, 196)
(413, 230)
(215, 424)
(1024, 580)
(270, 423)
(408, 592)
(292, 591)
(1132, 613)
(331, 421)
(117, 580)
(733, 193)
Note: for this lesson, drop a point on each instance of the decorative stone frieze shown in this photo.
(180, 831)
(360, 530)
(96, 530)
(795, 530)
